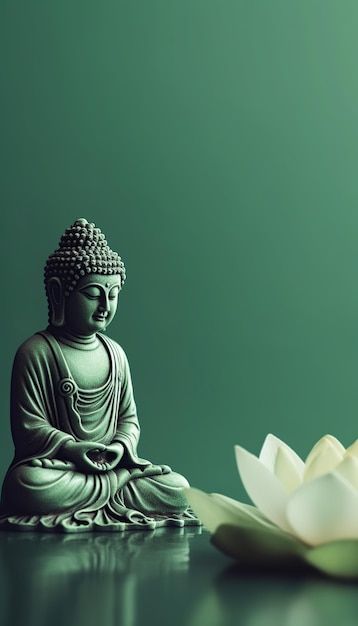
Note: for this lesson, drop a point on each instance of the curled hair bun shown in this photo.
(83, 249)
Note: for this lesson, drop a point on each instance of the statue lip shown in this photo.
(100, 317)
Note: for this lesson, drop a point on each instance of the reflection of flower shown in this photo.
(67, 387)
(305, 511)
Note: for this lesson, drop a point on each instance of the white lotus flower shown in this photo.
(305, 511)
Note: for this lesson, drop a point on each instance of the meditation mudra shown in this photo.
(73, 415)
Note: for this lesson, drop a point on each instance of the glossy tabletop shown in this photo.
(169, 576)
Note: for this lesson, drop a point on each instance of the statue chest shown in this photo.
(89, 368)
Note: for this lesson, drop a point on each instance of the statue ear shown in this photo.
(57, 301)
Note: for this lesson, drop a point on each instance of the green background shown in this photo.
(215, 144)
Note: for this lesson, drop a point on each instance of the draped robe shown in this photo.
(48, 409)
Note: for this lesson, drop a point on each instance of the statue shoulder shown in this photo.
(33, 350)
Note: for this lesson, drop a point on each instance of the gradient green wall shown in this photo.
(216, 145)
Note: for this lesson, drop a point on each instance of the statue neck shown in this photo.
(81, 342)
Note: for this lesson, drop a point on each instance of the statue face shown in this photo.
(93, 303)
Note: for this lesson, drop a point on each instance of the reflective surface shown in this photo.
(169, 576)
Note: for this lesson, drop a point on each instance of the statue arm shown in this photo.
(33, 434)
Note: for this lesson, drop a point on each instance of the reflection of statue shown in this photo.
(73, 414)
(93, 578)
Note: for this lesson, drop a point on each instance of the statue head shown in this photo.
(83, 278)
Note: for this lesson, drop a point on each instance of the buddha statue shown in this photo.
(73, 415)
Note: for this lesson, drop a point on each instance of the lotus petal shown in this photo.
(258, 546)
(338, 558)
(215, 509)
(247, 514)
(348, 468)
(263, 487)
(323, 510)
(283, 462)
(324, 457)
(353, 449)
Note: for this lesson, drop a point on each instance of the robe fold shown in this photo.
(48, 409)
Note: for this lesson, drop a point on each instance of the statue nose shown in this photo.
(104, 305)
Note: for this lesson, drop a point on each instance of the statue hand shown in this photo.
(114, 453)
(80, 452)
(107, 458)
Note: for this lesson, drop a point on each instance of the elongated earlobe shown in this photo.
(56, 301)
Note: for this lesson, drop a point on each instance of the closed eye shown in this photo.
(113, 294)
